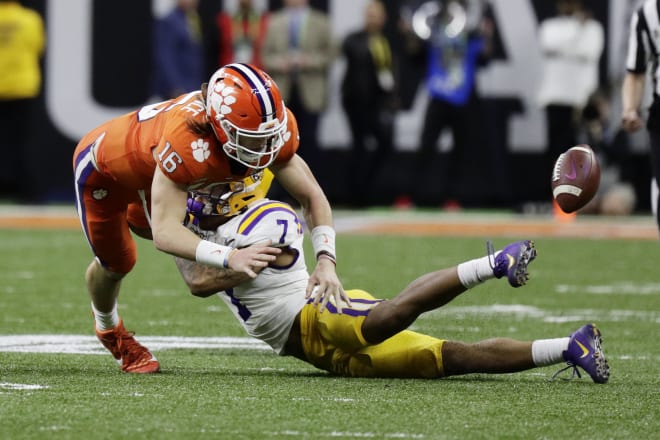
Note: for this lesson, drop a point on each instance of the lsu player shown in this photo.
(367, 337)
(134, 173)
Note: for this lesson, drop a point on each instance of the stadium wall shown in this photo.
(97, 66)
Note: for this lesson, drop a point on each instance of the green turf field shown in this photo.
(246, 392)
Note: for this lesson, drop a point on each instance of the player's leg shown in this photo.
(410, 354)
(437, 288)
(497, 355)
(102, 210)
(333, 341)
(104, 276)
(654, 135)
(405, 355)
(504, 355)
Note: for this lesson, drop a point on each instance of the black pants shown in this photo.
(15, 120)
(372, 122)
(308, 122)
(562, 133)
(444, 181)
(654, 136)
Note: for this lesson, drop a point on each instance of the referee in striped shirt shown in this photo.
(643, 54)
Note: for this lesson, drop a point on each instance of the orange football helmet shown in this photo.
(247, 113)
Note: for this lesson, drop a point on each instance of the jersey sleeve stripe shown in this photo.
(252, 218)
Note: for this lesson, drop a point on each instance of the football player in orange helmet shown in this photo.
(135, 173)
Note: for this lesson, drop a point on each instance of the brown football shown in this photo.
(575, 178)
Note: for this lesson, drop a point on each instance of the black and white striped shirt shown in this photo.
(644, 42)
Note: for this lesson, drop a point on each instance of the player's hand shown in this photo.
(324, 284)
(631, 120)
(251, 258)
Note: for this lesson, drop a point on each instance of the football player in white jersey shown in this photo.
(368, 337)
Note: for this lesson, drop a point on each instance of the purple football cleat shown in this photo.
(584, 350)
(513, 261)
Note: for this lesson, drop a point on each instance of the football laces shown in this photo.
(556, 171)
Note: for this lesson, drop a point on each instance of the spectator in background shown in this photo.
(242, 32)
(298, 50)
(179, 65)
(454, 49)
(572, 43)
(368, 98)
(642, 55)
(22, 42)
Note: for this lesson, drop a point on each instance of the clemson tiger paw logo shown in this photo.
(99, 194)
(222, 99)
(200, 150)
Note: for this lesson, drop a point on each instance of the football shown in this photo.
(575, 178)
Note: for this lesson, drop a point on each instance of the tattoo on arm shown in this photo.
(204, 281)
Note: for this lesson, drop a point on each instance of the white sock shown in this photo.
(106, 321)
(549, 351)
(474, 272)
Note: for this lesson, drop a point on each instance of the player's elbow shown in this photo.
(162, 241)
(198, 287)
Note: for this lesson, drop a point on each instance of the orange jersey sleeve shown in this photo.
(126, 150)
(133, 145)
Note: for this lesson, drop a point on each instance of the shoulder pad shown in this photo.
(269, 220)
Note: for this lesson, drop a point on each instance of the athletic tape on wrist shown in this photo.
(213, 254)
(323, 241)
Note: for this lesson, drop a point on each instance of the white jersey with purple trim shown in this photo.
(267, 305)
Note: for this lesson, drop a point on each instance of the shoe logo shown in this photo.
(512, 261)
(573, 174)
(585, 350)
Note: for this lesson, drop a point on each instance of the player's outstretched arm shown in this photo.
(245, 264)
(296, 177)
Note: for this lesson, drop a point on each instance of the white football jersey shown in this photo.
(267, 305)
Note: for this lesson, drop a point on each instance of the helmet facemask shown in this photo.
(229, 199)
(256, 149)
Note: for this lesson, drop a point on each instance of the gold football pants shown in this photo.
(334, 342)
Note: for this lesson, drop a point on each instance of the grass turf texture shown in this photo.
(253, 394)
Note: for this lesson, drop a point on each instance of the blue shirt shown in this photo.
(178, 56)
(452, 67)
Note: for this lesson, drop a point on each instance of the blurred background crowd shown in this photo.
(446, 104)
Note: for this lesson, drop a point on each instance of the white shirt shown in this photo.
(644, 41)
(267, 305)
(571, 52)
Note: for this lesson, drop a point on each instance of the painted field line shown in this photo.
(83, 344)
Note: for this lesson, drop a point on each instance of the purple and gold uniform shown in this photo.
(268, 306)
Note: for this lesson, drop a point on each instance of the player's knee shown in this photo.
(385, 320)
(97, 270)
(118, 267)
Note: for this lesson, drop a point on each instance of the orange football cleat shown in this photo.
(131, 356)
